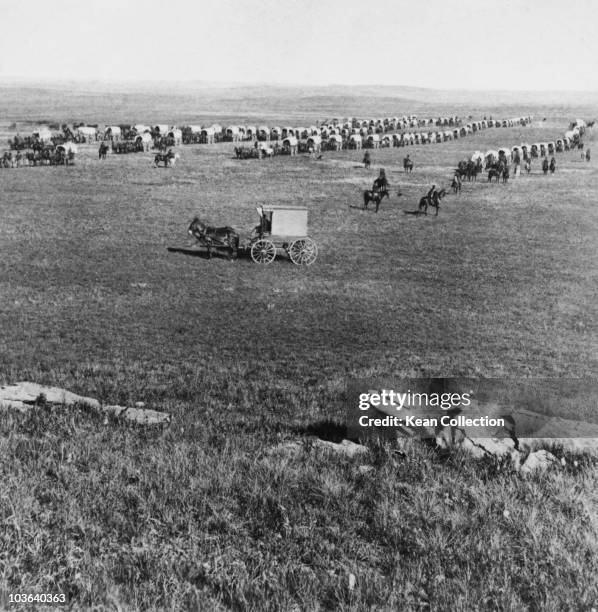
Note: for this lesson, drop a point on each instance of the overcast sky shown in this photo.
(460, 44)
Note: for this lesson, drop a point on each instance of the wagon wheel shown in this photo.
(263, 251)
(303, 252)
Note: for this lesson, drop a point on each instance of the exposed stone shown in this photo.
(573, 445)
(139, 415)
(295, 447)
(23, 396)
(540, 460)
(28, 393)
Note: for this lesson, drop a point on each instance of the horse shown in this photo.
(494, 173)
(213, 237)
(169, 159)
(456, 183)
(373, 196)
(102, 151)
(434, 202)
(552, 165)
(408, 165)
(366, 160)
(461, 169)
(473, 169)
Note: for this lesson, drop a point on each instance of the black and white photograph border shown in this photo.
(298, 305)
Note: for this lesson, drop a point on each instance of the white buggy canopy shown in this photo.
(286, 221)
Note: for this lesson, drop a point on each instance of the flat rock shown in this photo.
(139, 415)
(572, 445)
(346, 447)
(28, 392)
(538, 461)
(23, 395)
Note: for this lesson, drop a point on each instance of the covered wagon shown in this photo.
(232, 133)
(250, 132)
(112, 132)
(87, 133)
(314, 143)
(355, 141)
(175, 137)
(373, 141)
(143, 141)
(290, 145)
(208, 135)
(491, 157)
(263, 133)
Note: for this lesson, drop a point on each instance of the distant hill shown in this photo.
(96, 101)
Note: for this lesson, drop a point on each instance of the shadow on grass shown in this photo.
(203, 253)
(359, 207)
(325, 430)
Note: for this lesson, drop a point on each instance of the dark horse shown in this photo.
(373, 196)
(456, 183)
(168, 159)
(214, 237)
(496, 171)
(434, 201)
(408, 165)
(102, 151)
(473, 169)
(545, 166)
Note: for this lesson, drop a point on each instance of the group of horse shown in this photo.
(47, 156)
(125, 146)
(467, 169)
(257, 152)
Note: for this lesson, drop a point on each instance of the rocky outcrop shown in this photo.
(25, 396)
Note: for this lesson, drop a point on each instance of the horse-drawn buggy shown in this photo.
(280, 228)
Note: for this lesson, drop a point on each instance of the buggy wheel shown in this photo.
(263, 252)
(303, 252)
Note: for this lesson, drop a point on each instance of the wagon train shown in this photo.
(280, 228)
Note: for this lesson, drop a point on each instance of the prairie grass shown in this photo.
(199, 515)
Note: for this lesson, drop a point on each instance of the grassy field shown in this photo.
(198, 516)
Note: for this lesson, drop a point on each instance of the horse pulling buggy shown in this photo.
(280, 228)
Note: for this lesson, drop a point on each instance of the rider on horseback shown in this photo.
(380, 185)
(431, 195)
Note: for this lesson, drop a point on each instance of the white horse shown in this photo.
(172, 160)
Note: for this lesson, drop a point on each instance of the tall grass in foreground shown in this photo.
(200, 516)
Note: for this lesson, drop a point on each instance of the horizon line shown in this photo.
(28, 81)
